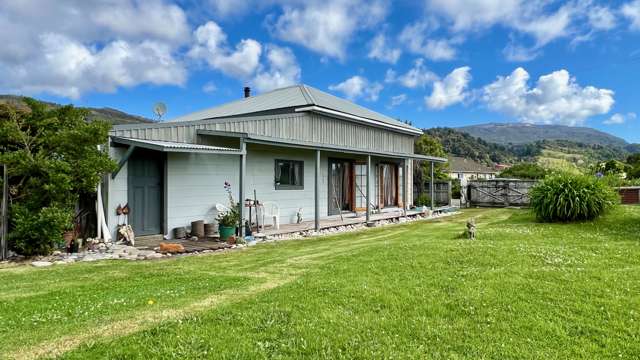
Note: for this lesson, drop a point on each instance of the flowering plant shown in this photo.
(229, 218)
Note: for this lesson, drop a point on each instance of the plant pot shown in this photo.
(68, 236)
(209, 230)
(226, 232)
(197, 229)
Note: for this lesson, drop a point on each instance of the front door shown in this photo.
(145, 195)
(340, 186)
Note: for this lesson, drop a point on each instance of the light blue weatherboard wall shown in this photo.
(195, 184)
(117, 192)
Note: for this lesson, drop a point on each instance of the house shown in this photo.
(308, 151)
(465, 170)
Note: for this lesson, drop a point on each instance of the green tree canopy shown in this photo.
(430, 146)
(525, 171)
(53, 157)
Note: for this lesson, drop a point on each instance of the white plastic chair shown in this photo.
(270, 209)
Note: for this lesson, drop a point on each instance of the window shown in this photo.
(289, 175)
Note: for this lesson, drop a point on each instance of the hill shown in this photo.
(113, 116)
(521, 133)
(550, 153)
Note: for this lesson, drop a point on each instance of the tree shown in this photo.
(633, 159)
(430, 146)
(525, 171)
(53, 158)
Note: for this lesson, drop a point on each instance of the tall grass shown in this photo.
(567, 197)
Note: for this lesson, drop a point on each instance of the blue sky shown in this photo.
(433, 62)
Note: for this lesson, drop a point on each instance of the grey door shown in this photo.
(145, 173)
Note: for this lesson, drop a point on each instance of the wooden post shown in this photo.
(450, 193)
(4, 221)
(432, 193)
(368, 188)
(404, 187)
(241, 184)
(316, 195)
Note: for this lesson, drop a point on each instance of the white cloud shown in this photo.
(528, 17)
(601, 18)
(70, 47)
(209, 87)
(518, 53)
(211, 46)
(450, 90)
(542, 21)
(416, 38)
(556, 98)
(618, 118)
(327, 26)
(398, 99)
(68, 68)
(380, 49)
(226, 8)
(358, 87)
(631, 11)
(417, 76)
(283, 69)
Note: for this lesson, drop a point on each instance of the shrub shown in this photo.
(38, 232)
(423, 200)
(525, 171)
(52, 157)
(565, 197)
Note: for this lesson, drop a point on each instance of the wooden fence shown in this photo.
(441, 191)
(499, 192)
(630, 194)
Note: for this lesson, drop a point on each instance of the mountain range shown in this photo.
(522, 133)
(113, 116)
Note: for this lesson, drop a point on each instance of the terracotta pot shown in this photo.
(68, 236)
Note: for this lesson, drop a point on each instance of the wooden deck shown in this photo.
(335, 221)
(151, 242)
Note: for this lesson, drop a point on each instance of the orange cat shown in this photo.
(171, 248)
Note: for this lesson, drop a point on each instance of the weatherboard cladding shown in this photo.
(306, 127)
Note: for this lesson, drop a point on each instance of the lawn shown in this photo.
(522, 290)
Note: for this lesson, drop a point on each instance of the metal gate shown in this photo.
(499, 192)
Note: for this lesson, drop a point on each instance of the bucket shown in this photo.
(226, 232)
(197, 228)
(180, 232)
(209, 230)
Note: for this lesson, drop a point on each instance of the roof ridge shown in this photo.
(307, 94)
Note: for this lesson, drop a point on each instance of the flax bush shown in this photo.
(566, 197)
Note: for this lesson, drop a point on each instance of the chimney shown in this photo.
(247, 91)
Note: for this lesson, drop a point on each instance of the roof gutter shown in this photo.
(346, 116)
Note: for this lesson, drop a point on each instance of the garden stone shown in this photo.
(41, 263)
(144, 253)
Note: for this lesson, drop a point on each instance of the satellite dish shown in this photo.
(160, 109)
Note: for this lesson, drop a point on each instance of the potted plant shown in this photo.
(228, 220)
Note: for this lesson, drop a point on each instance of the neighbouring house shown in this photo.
(299, 147)
(465, 170)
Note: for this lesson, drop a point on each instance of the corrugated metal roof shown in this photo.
(170, 146)
(459, 164)
(291, 97)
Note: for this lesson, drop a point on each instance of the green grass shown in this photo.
(521, 290)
